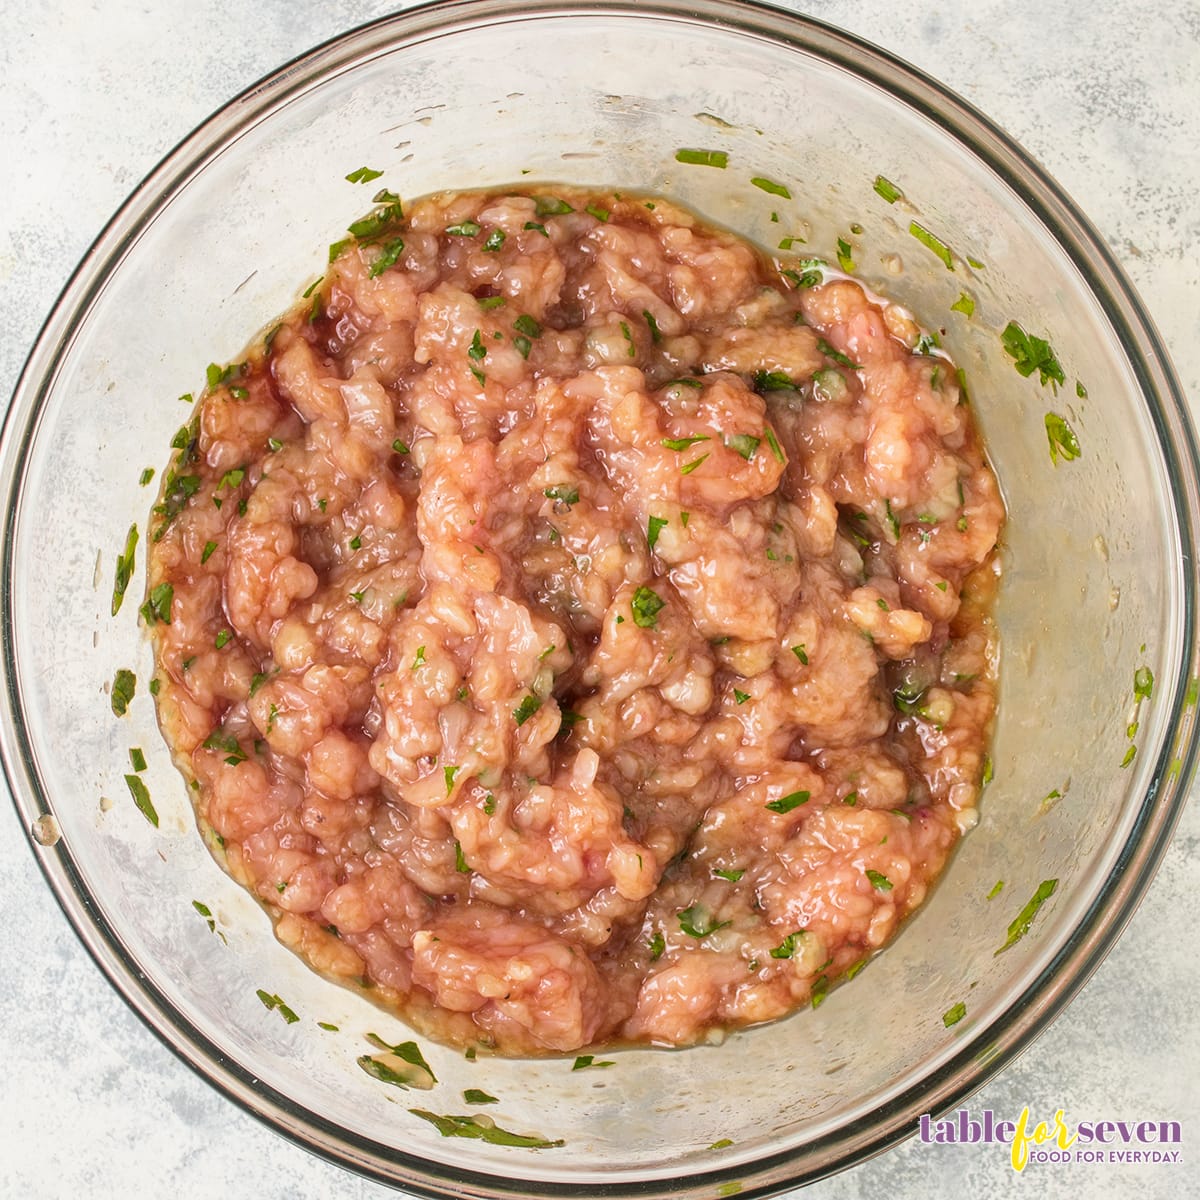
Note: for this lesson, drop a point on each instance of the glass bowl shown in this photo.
(1099, 573)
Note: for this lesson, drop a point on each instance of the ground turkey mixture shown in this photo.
(574, 623)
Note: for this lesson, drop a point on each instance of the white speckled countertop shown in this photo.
(1105, 95)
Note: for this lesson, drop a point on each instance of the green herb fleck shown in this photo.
(460, 859)
(964, 304)
(696, 921)
(124, 571)
(1031, 353)
(646, 605)
(206, 913)
(652, 325)
(932, 242)
(123, 687)
(953, 1015)
(377, 222)
(448, 774)
(997, 888)
(787, 948)
(731, 876)
(879, 881)
(327, 1027)
(887, 189)
(1080, 390)
(1143, 683)
(684, 443)
(528, 706)
(476, 1096)
(421, 1075)
(586, 1061)
(464, 229)
(527, 325)
(1020, 926)
(657, 945)
(801, 653)
(141, 797)
(844, 256)
(601, 214)
(744, 444)
(472, 1127)
(495, 240)
(538, 227)
(654, 527)
(628, 336)
(740, 697)
(785, 804)
(477, 350)
(158, 606)
(137, 759)
(390, 252)
(688, 468)
(222, 639)
(1062, 439)
(770, 187)
(703, 158)
(565, 493)
(892, 520)
(838, 357)
(363, 175)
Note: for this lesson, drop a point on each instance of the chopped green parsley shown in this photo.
(646, 604)
(1021, 923)
(787, 948)
(124, 571)
(586, 1061)
(1031, 353)
(123, 687)
(141, 797)
(932, 242)
(954, 1014)
(485, 1131)
(1062, 439)
(696, 921)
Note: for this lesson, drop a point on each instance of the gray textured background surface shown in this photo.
(1104, 95)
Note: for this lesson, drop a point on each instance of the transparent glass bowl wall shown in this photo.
(1097, 564)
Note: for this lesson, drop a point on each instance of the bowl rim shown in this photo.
(980, 1057)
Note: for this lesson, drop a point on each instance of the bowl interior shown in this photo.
(1095, 585)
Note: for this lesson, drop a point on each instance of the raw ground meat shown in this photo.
(574, 630)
